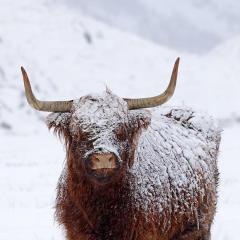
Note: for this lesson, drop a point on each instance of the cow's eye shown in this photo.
(83, 137)
(121, 133)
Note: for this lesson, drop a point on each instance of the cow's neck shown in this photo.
(103, 207)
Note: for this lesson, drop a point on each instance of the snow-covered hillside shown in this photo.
(68, 55)
(192, 26)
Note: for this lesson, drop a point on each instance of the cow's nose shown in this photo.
(103, 161)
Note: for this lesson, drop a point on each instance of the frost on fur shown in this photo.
(166, 187)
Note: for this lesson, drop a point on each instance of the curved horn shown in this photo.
(47, 106)
(157, 100)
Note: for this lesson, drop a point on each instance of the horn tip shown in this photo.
(22, 68)
(25, 76)
(23, 71)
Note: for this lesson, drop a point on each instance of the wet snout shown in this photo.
(103, 161)
(102, 166)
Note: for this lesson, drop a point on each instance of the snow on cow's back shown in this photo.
(177, 146)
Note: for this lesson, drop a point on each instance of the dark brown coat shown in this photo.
(166, 187)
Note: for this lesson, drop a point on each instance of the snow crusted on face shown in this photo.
(92, 109)
(174, 154)
(99, 116)
(100, 109)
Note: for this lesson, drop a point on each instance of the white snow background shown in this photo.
(68, 54)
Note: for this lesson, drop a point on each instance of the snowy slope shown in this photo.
(192, 26)
(68, 55)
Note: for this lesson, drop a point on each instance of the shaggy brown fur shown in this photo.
(92, 212)
(87, 210)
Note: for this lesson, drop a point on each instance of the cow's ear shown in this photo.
(59, 122)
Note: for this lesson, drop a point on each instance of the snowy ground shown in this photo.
(227, 219)
(68, 55)
(29, 169)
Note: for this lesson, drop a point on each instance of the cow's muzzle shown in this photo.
(102, 166)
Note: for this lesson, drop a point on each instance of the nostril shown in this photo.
(99, 161)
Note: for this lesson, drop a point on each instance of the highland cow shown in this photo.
(133, 174)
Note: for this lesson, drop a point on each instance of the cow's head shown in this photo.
(101, 135)
(101, 132)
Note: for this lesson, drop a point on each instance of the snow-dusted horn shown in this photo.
(47, 106)
(157, 100)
